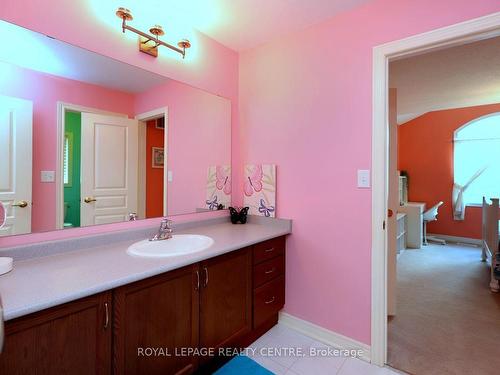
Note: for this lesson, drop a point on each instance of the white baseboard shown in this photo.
(324, 335)
(456, 239)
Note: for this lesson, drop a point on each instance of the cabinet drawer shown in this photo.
(268, 300)
(268, 249)
(268, 270)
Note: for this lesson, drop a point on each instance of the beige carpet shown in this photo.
(447, 320)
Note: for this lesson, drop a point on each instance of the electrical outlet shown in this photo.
(48, 176)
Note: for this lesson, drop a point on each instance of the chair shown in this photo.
(431, 215)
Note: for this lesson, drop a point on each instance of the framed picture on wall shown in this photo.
(160, 123)
(158, 159)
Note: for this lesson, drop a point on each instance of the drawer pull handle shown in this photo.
(270, 301)
(270, 271)
(206, 276)
(106, 315)
(269, 250)
(197, 280)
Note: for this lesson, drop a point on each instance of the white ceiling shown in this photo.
(39, 52)
(461, 76)
(243, 24)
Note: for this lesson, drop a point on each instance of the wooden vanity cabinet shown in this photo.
(268, 283)
(74, 338)
(153, 319)
(206, 305)
(226, 299)
(223, 302)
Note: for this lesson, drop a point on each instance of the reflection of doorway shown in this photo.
(97, 167)
(16, 119)
(155, 164)
(71, 169)
(153, 177)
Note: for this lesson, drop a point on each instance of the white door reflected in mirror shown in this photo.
(16, 119)
(109, 169)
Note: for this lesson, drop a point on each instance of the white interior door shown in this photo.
(16, 122)
(392, 205)
(108, 169)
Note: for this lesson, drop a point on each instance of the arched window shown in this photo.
(477, 151)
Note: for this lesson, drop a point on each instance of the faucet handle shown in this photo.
(166, 223)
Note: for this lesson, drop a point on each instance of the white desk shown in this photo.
(414, 212)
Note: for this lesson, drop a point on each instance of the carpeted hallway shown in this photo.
(447, 321)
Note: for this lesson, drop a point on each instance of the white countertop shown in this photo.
(39, 283)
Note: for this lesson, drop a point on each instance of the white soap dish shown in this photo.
(5, 265)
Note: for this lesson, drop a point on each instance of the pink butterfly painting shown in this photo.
(223, 179)
(253, 182)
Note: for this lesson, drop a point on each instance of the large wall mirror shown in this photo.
(87, 140)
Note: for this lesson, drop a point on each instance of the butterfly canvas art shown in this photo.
(218, 190)
(259, 187)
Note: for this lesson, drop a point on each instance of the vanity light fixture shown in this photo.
(149, 43)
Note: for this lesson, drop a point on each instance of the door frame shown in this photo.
(141, 191)
(62, 108)
(457, 34)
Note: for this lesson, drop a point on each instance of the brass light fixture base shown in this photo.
(157, 30)
(124, 14)
(149, 43)
(184, 43)
(148, 46)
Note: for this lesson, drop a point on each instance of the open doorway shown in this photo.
(470, 31)
(153, 167)
(444, 160)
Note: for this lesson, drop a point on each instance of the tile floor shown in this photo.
(286, 363)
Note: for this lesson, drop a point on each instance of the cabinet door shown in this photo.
(153, 319)
(74, 338)
(225, 301)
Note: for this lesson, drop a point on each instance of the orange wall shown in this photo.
(154, 176)
(425, 151)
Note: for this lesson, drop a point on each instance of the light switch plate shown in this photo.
(48, 176)
(363, 178)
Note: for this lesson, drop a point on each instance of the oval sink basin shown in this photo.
(179, 244)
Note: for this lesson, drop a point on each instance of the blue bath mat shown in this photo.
(242, 365)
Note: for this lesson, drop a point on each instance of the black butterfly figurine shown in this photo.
(238, 214)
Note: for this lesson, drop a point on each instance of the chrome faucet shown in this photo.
(165, 231)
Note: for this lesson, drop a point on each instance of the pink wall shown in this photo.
(215, 69)
(199, 135)
(306, 105)
(45, 91)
